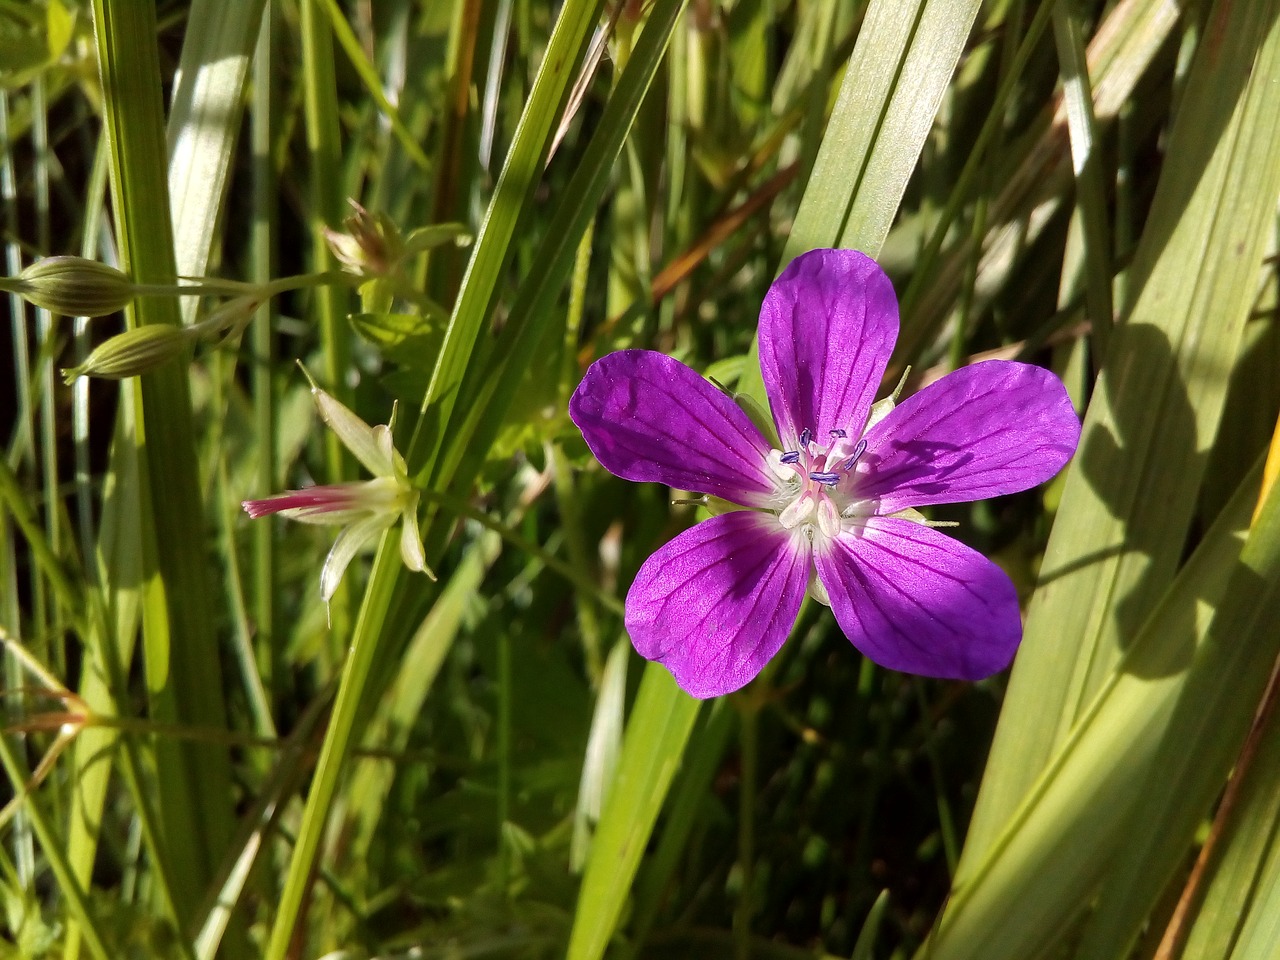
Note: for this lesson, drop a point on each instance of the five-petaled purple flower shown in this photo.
(834, 494)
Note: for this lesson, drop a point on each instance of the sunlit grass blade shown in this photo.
(183, 673)
(204, 121)
(1239, 915)
(901, 66)
(1053, 850)
(657, 731)
(1131, 491)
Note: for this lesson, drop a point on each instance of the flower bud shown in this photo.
(75, 287)
(133, 352)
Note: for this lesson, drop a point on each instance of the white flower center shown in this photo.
(816, 495)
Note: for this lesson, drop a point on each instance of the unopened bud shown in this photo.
(74, 286)
(133, 352)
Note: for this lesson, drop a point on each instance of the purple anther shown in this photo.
(791, 456)
(858, 450)
(838, 434)
(805, 436)
(826, 479)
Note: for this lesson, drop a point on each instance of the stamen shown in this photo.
(791, 456)
(859, 449)
(805, 436)
(838, 434)
(826, 479)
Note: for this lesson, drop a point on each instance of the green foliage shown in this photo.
(205, 762)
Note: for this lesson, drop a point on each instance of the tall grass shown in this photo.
(206, 760)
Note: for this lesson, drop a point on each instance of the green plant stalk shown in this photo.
(1090, 189)
(749, 745)
(373, 83)
(76, 901)
(320, 95)
(479, 292)
(488, 397)
(180, 648)
(657, 732)
(262, 346)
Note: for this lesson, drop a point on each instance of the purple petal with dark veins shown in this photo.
(715, 604)
(648, 417)
(827, 327)
(993, 428)
(915, 600)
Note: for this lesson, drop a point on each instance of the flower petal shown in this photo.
(989, 429)
(350, 540)
(368, 444)
(827, 327)
(715, 604)
(915, 600)
(411, 551)
(648, 417)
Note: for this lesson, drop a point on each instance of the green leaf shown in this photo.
(901, 66)
(657, 731)
(1091, 799)
(406, 339)
(1131, 492)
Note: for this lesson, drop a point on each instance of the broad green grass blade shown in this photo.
(1086, 161)
(1054, 849)
(479, 291)
(1130, 493)
(657, 731)
(183, 673)
(204, 121)
(1126, 43)
(1240, 913)
(901, 66)
(491, 395)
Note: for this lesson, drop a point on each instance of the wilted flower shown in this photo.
(73, 286)
(830, 506)
(366, 508)
(369, 244)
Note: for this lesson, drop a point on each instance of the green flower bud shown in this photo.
(74, 286)
(133, 352)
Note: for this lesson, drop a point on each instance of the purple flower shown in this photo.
(830, 504)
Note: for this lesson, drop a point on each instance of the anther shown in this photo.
(791, 456)
(838, 434)
(805, 436)
(859, 449)
(826, 479)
